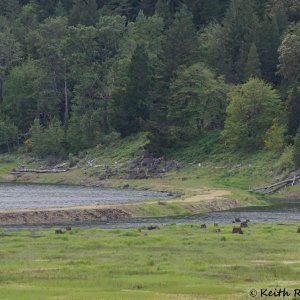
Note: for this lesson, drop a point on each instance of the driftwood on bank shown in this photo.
(277, 186)
(21, 171)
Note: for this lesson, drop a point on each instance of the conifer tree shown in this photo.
(148, 7)
(180, 48)
(60, 10)
(293, 107)
(162, 9)
(131, 107)
(252, 67)
(205, 11)
(84, 12)
(268, 40)
(240, 25)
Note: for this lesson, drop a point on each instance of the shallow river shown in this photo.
(22, 196)
(29, 196)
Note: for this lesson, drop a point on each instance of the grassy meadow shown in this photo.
(173, 262)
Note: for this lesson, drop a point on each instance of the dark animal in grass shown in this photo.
(68, 228)
(298, 230)
(237, 220)
(237, 230)
(216, 225)
(244, 224)
(247, 220)
(58, 231)
(218, 230)
(152, 227)
(203, 226)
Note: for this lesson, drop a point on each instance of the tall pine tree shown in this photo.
(131, 107)
(252, 67)
(240, 26)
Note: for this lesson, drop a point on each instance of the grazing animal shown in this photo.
(218, 230)
(237, 220)
(203, 226)
(68, 228)
(152, 227)
(237, 230)
(216, 225)
(247, 220)
(298, 230)
(58, 231)
(244, 224)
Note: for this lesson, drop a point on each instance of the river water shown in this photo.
(30, 196)
(27, 196)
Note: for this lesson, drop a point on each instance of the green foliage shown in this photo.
(297, 149)
(212, 46)
(145, 30)
(275, 137)
(268, 41)
(9, 9)
(206, 146)
(293, 107)
(131, 106)
(251, 110)
(197, 102)
(20, 96)
(239, 29)
(181, 47)
(8, 134)
(10, 55)
(252, 67)
(285, 163)
(84, 12)
(289, 51)
(47, 141)
(81, 62)
(205, 11)
(289, 68)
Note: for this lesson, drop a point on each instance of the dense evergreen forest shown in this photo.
(76, 74)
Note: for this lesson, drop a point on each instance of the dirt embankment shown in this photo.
(61, 216)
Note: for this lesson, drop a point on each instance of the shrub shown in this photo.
(274, 138)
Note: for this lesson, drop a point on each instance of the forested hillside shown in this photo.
(76, 74)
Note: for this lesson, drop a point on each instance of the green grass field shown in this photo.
(174, 262)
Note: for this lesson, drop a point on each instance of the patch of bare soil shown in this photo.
(208, 195)
(61, 216)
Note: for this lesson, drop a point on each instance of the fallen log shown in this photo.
(21, 171)
(277, 186)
